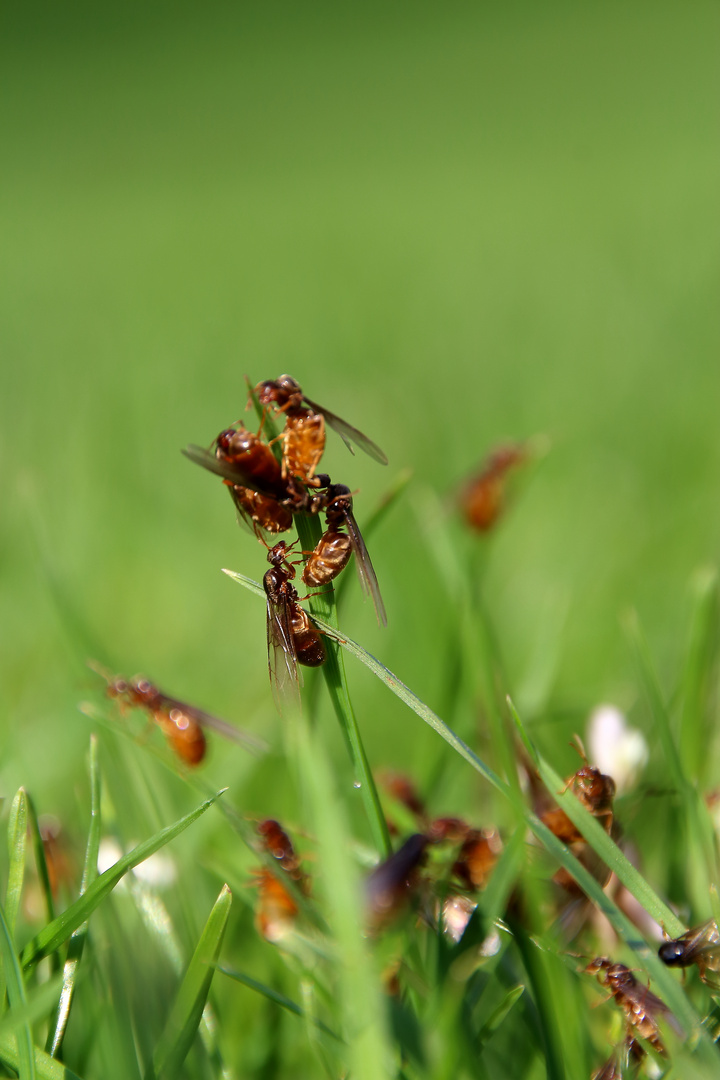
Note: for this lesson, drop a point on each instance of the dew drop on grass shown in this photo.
(357, 784)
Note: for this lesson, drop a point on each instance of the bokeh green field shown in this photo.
(454, 225)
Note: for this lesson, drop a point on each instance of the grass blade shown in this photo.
(362, 1014)
(694, 837)
(697, 670)
(186, 1013)
(17, 840)
(277, 999)
(16, 996)
(61, 928)
(46, 1068)
(77, 940)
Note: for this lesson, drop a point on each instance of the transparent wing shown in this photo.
(228, 731)
(349, 434)
(285, 678)
(366, 570)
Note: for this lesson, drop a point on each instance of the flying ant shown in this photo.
(596, 792)
(304, 433)
(641, 1007)
(483, 498)
(291, 637)
(335, 547)
(181, 724)
(700, 945)
(252, 475)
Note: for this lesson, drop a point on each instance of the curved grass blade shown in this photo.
(77, 940)
(46, 1068)
(16, 997)
(277, 999)
(61, 928)
(361, 1008)
(186, 1013)
(40, 860)
(17, 840)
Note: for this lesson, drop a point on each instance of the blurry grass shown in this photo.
(454, 228)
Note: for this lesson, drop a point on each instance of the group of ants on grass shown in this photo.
(270, 481)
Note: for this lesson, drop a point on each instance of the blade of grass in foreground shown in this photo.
(363, 1020)
(16, 997)
(46, 1068)
(17, 837)
(58, 931)
(77, 940)
(186, 1013)
(277, 999)
(693, 845)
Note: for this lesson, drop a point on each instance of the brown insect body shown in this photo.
(595, 791)
(477, 858)
(699, 945)
(292, 639)
(640, 1005)
(278, 844)
(482, 499)
(252, 458)
(334, 548)
(253, 476)
(276, 908)
(304, 435)
(389, 888)
(181, 724)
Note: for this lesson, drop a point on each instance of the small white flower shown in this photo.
(616, 749)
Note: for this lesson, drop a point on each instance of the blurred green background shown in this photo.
(453, 224)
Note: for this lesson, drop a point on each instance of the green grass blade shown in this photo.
(278, 999)
(186, 1013)
(693, 847)
(38, 1005)
(52, 936)
(17, 841)
(363, 1019)
(498, 1015)
(46, 1068)
(77, 940)
(40, 860)
(655, 697)
(697, 670)
(16, 996)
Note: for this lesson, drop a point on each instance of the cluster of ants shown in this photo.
(268, 492)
